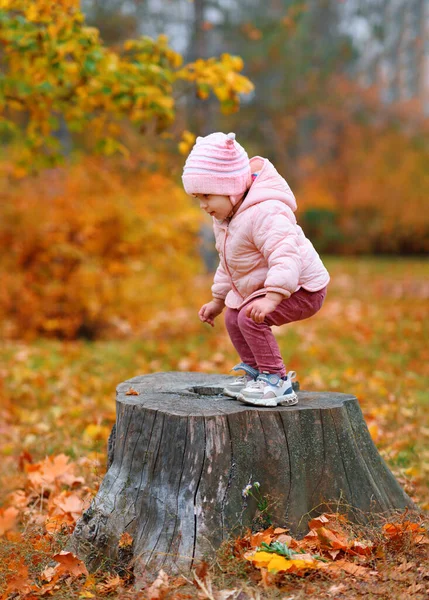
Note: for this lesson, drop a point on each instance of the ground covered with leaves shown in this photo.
(57, 408)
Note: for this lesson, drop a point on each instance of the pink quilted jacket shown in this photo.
(262, 248)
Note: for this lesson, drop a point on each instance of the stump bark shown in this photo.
(182, 453)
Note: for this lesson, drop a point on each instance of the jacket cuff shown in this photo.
(218, 296)
(281, 291)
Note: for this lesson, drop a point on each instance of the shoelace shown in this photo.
(263, 380)
(258, 384)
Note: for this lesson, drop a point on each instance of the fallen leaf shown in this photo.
(159, 587)
(279, 530)
(336, 589)
(352, 568)
(48, 574)
(262, 536)
(110, 585)
(132, 392)
(8, 519)
(325, 519)
(294, 565)
(275, 563)
(415, 588)
(406, 566)
(329, 539)
(69, 503)
(52, 472)
(421, 539)
(318, 522)
(225, 594)
(19, 582)
(364, 548)
(125, 540)
(18, 499)
(201, 571)
(267, 579)
(58, 523)
(69, 564)
(395, 531)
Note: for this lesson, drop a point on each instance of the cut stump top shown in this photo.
(201, 394)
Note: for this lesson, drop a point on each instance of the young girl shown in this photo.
(269, 273)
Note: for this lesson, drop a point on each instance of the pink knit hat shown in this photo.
(217, 164)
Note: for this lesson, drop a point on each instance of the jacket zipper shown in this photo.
(226, 265)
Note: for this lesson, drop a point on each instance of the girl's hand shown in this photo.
(208, 312)
(259, 309)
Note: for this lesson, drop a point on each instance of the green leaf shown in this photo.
(90, 65)
(46, 86)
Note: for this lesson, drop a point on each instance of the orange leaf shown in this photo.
(69, 503)
(69, 564)
(132, 392)
(262, 536)
(364, 548)
(125, 540)
(352, 568)
(396, 531)
(279, 530)
(48, 574)
(324, 519)
(19, 583)
(159, 587)
(8, 519)
(52, 471)
(110, 585)
(55, 523)
(331, 540)
(318, 522)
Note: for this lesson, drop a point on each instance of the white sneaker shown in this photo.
(269, 390)
(234, 388)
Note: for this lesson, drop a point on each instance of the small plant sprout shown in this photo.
(253, 490)
(246, 491)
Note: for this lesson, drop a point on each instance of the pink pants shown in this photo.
(255, 342)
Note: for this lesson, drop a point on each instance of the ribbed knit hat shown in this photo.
(217, 164)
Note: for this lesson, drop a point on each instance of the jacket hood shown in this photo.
(268, 185)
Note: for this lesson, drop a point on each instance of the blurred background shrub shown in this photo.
(90, 251)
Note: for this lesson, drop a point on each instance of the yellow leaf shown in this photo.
(188, 137)
(280, 563)
(96, 432)
(183, 148)
(260, 559)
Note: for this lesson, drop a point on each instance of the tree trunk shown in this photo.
(182, 454)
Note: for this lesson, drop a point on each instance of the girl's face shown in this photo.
(217, 206)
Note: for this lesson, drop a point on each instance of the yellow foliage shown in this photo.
(188, 140)
(87, 251)
(221, 76)
(56, 65)
(276, 563)
(96, 432)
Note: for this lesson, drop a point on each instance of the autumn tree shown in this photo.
(55, 66)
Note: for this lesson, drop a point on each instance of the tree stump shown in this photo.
(183, 453)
